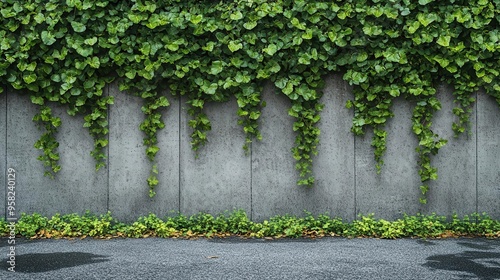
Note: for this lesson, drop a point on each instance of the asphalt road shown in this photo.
(235, 258)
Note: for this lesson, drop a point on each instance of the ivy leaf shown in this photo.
(393, 54)
(210, 89)
(441, 60)
(234, 46)
(424, 2)
(271, 49)
(174, 46)
(273, 66)
(78, 27)
(236, 16)
(281, 83)
(254, 115)
(90, 41)
(444, 40)
(426, 19)
(362, 57)
(196, 19)
(250, 25)
(296, 23)
(307, 35)
(37, 100)
(80, 65)
(48, 38)
(7, 12)
(216, 67)
(84, 51)
(413, 27)
(209, 46)
(131, 74)
(94, 62)
(197, 103)
(76, 91)
(29, 78)
(135, 18)
(80, 101)
(372, 30)
(332, 35)
(162, 102)
(73, 3)
(359, 122)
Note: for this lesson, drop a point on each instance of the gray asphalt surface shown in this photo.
(235, 258)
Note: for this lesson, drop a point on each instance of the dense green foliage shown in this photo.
(238, 223)
(68, 51)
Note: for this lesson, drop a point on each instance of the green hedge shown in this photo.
(68, 51)
(237, 223)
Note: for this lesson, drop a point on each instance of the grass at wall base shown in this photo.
(237, 223)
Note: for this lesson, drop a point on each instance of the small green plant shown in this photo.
(29, 225)
(3, 225)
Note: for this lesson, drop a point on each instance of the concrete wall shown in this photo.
(487, 138)
(129, 166)
(263, 183)
(77, 186)
(3, 150)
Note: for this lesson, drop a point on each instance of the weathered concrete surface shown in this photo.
(395, 190)
(3, 144)
(167, 194)
(334, 189)
(455, 188)
(219, 179)
(264, 183)
(129, 167)
(274, 179)
(488, 155)
(77, 187)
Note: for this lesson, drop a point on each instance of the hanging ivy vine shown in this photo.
(68, 51)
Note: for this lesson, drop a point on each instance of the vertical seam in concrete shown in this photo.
(180, 151)
(109, 152)
(5, 148)
(251, 181)
(355, 179)
(477, 161)
(354, 168)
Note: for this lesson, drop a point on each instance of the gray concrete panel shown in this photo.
(77, 186)
(275, 190)
(455, 188)
(333, 167)
(129, 165)
(220, 178)
(3, 146)
(488, 155)
(274, 179)
(395, 190)
(167, 193)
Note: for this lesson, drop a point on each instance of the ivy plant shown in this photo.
(68, 51)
